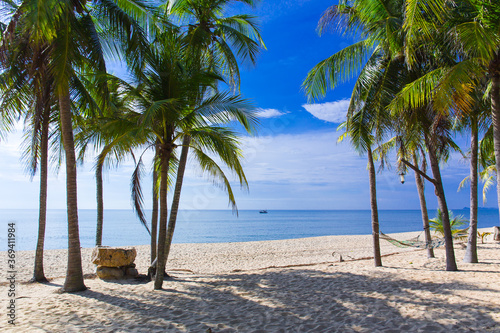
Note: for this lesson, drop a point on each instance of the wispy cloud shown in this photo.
(333, 112)
(269, 113)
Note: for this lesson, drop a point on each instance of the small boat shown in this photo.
(264, 211)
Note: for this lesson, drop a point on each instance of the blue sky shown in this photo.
(294, 163)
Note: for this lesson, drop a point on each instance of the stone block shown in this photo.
(113, 256)
(110, 273)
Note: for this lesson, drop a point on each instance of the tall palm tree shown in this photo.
(473, 29)
(379, 23)
(435, 130)
(165, 93)
(217, 43)
(92, 131)
(27, 82)
(68, 27)
(477, 121)
(222, 41)
(412, 146)
(419, 182)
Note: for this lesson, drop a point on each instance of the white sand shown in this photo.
(272, 286)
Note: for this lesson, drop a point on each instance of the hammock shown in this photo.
(413, 242)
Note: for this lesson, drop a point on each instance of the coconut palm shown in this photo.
(472, 28)
(166, 93)
(435, 131)
(68, 27)
(38, 115)
(413, 147)
(379, 23)
(469, 32)
(217, 43)
(27, 87)
(477, 120)
(92, 131)
(222, 41)
(419, 182)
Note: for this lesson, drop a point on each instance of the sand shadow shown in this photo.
(306, 300)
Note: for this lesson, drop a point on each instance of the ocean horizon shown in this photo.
(122, 227)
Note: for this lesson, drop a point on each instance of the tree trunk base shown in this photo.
(152, 272)
(72, 290)
(35, 279)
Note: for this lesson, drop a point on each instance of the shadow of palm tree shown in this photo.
(298, 300)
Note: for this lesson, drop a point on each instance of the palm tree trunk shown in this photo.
(74, 273)
(154, 213)
(38, 274)
(177, 194)
(423, 207)
(165, 153)
(494, 70)
(100, 203)
(373, 204)
(451, 264)
(471, 250)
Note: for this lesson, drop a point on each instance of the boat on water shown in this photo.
(264, 211)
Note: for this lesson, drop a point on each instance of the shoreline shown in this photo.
(205, 258)
(270, 286)
(404, 233)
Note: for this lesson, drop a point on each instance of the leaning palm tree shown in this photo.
(435, 131)
(412, 146)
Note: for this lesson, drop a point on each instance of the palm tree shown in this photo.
(220, 40)
(69, 29)
(213, 40)
(412, 146)
(473, 29)
(94, 132)
(477, 120)
(367, 121)
(434, 130)
(166, 92)
(26, 81)
(419, 182)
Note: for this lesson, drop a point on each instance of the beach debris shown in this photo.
(114, 263)
(337, 256)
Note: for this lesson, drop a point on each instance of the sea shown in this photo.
(122, 228)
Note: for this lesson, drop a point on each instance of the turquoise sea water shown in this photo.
(121, 227)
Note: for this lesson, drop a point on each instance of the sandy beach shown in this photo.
(270, 286)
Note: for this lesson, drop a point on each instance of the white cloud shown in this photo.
(285, 171)
(333, 112)
(269, 113)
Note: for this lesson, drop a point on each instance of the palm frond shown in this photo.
(136, 190)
